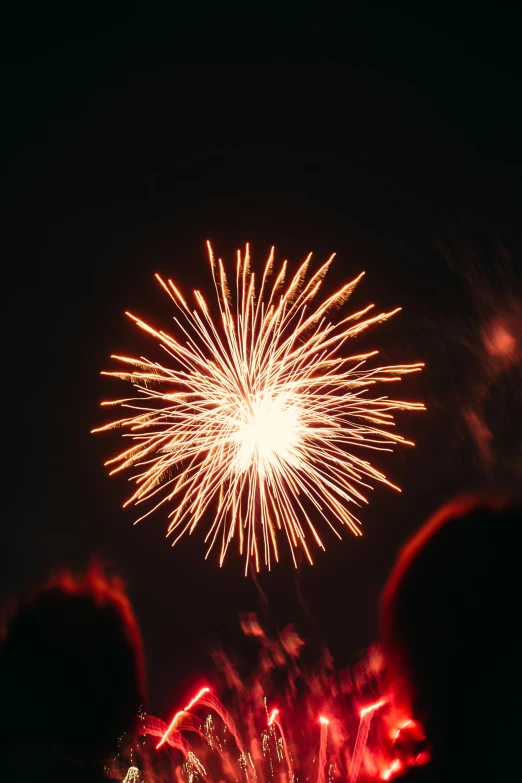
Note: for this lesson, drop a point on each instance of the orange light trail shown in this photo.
(258, 417)
(189, 706)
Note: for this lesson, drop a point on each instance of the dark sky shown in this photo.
(391, 138)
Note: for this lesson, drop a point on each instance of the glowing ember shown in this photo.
(392, 770)
(257, 417)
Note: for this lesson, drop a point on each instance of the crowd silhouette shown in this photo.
(72, 665)
(71, 679)
(449, 626)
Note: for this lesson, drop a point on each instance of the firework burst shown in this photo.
(258, 415)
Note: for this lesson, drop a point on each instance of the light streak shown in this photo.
(392, 769)
(321, 761)
(361, 740)
(372, 707)
(176, 717)
(404, 725)
(274, 720)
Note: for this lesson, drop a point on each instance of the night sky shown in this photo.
(127, 141)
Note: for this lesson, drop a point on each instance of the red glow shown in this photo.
(196, 698)
(323, 720)
(407, 723)
(394, 767)
(273, 716)
(372, 707)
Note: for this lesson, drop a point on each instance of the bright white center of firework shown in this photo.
(268, 433)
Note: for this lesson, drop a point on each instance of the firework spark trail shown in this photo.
(321, 761)
(391, 770)
(258, 413)
(155, 727)
(185, 721)
(210, 700)
(281, 744)
(362, 739)
(274, 720)
(175, 720)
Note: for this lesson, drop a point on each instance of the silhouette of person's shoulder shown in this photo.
(71, 679)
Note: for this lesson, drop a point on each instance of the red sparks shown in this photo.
(323, 720)
(196, 698)
(273, 716)
(392, 769)
(372, 707)
(407, 723)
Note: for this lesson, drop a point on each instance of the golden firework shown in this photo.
(258, 416)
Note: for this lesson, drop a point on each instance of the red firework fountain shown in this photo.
(327, 726)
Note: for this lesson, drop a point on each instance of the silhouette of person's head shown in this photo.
(71, 672)
(449, 625)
